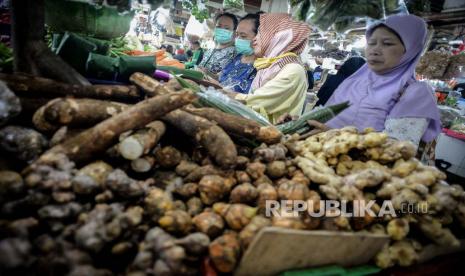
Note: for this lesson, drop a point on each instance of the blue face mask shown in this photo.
(223, 36)
(243, 46)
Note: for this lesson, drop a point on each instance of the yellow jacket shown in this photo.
(285, 93)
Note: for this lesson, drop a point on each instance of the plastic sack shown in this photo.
(212, 98)
(341, 14)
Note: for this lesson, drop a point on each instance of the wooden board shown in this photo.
(275, 250)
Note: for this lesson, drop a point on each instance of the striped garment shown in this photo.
(279, 34)
(273, 23)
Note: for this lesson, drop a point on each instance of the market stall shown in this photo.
(130, 165)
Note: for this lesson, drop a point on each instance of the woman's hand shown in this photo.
(229, 93)
(286, 118)
(212, 80)
(317, 128)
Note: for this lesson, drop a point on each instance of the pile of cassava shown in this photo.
(139, 180)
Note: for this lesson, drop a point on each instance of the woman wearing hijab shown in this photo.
(384, 93)
(349, 67)
(216, 59)
(281, 81)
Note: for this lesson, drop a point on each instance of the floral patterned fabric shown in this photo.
(406, 129)
(216, 59)
(238, 76)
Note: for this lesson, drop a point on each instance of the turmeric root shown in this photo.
(265, 192)
(176, 221)
(276, 169)
(194, 206)
(186, 167)
(256, 170)
(157, 203)
(225, 252)
(237, 216)
(168, 157)
(248, 233)
(91, 178)
(212, 189)
(271, 153)
(244, 193)
(209, 223)
(187, 190)
(195, 244)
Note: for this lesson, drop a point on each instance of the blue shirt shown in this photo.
(238, 76)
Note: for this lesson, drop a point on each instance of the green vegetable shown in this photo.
(233, 4)
(195, 9)
(321, 115)
(118, 47)
(190, 74)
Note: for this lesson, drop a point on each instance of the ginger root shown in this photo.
(398, 229)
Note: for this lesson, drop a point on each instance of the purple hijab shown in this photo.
(395, 94)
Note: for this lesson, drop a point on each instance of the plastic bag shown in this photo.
(448, 115)
(341, 14)
(212, 98)
(195, 29)
(458, 125)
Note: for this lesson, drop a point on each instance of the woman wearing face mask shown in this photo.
(239, 73)
(215, 60)
(383, 93)
(281, 81)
